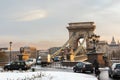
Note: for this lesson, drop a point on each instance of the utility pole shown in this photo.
(10, 51)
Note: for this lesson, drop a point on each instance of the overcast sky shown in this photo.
(42, 23)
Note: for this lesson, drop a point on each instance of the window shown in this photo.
(13, 63)
(22, 63)
(79, 64)
(118, 66)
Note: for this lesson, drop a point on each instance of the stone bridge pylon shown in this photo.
(80, 31)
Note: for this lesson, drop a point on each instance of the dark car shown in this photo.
(57, 58)
(17, 65)
(83, 67)
(114, 70)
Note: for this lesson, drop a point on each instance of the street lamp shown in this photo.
(10, 51)
(62, 57)
(94, 39)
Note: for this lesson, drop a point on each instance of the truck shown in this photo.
(43, 58)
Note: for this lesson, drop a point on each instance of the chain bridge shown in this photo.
(78, 42)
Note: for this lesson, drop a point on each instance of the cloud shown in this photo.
(32, 15)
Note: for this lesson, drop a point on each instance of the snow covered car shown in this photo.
(17, 65)
(83, 67)
(114, 70)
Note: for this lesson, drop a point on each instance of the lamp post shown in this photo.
(94, 39)
(10, 51)
(93, 55)
(62, 57)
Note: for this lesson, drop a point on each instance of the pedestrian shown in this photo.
(96, 67)
(97, 73)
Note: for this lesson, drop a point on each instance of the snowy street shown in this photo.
(103, 75)
(45, 74)
(52, 73)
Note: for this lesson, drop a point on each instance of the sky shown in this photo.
(42, 23)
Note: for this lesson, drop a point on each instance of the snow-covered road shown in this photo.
(45, 74)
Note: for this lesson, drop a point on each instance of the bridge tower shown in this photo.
(79, 33)
(80, 30)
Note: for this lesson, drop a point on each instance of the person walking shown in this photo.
(96, 66)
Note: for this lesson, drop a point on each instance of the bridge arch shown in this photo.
(80, 30)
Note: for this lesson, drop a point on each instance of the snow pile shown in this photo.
(104, 69)
(46, 75)
(70, 76)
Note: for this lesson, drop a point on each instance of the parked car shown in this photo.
(114, 70)
(83, 67)
(57, 58)
(17, 65)
(31, 61)
(38, 61)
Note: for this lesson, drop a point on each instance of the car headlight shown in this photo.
(83, 66)
(116, 70)
(25, 66)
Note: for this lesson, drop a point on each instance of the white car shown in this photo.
(38, 61)
(31, 61)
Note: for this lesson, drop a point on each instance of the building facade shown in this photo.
(112, 50)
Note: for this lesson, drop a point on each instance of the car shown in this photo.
(83, 67)
(38, 61)
(31, 61)
(57, 58)
(17, 65)
(114, 70)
